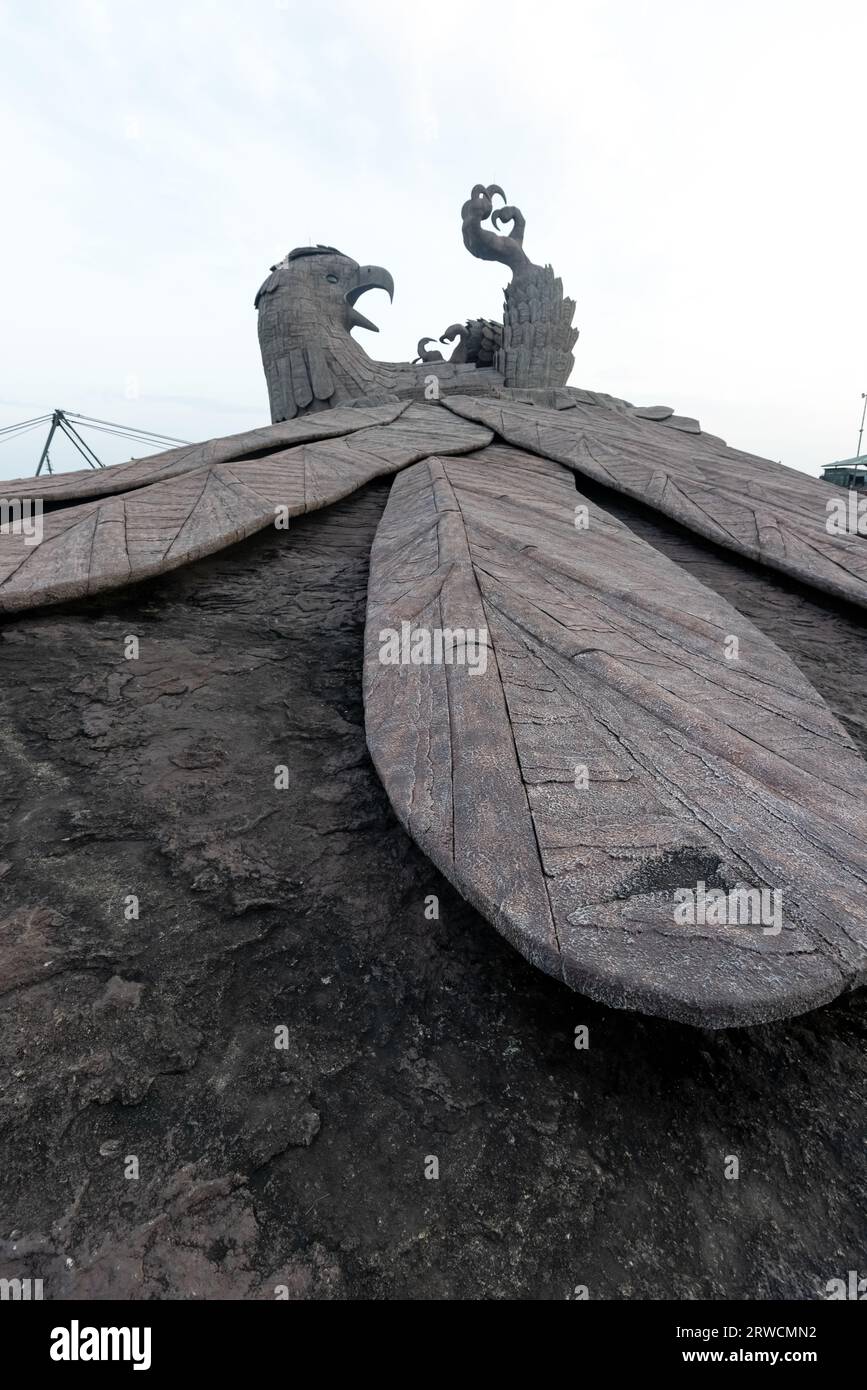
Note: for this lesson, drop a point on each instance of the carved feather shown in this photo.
(760, 509)
(588, 649)
(104, 544)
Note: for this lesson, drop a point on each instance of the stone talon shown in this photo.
(427, 354)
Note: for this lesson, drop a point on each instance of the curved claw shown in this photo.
(482, 242)
(425, 354)
(513, 215)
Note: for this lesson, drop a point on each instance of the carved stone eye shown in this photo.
(332, 279)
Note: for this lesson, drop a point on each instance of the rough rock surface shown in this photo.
(407, 1037)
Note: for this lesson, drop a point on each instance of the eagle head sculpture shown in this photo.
(306, 313)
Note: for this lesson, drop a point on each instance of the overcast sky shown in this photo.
(694, 171)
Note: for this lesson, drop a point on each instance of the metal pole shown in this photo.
(861, 431)
(44, 457)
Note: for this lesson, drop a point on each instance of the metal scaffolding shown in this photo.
(70, 424)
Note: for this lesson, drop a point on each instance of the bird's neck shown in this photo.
(309, 367)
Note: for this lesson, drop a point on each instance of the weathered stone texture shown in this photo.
(602, 654)
(761, 509)
(95, 546)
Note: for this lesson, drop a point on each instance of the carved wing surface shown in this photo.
(598, 653)
(95, 546)
(124, 477)
(760, 509)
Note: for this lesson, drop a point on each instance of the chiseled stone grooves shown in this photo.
(605, 653)
(86, 483)
(826, 637)
(104, 545)
(769, 513)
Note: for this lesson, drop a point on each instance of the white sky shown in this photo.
(694, 170)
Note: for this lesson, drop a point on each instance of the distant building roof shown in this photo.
(851, 473)
(859, 462)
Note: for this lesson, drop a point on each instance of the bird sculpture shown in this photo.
(635, 784)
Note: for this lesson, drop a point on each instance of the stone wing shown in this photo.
(762, 510)
(86, 483)
(204, 501)
(603, 752)
(582, 750)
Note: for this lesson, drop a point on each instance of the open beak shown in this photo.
(367, 277)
